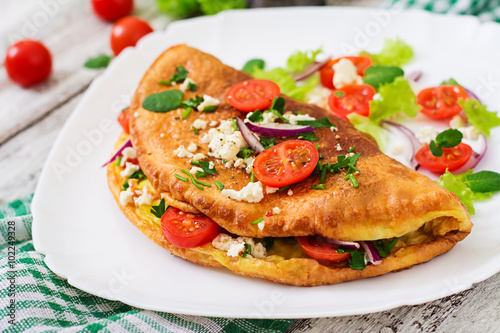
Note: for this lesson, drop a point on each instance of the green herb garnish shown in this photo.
(192, 102)
(186, 113)
(267, 142)
(101, 61)
(192, 86)
(205, 165)
(159, 210)
(309, 136)
(164, 101)
(178, 77)
(378, 75)
(219, 185)
(184, 179)
(318, 187)
(256, 116)
(252, 64)
(139, 175)
(446, 139)
(248, 250)
(258, 221)
(319, 123)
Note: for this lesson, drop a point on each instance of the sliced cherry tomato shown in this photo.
(124, 120)
(28, 62)
(318, 248)
(112, 10)
(327, 72)
(352, 98)
(188, 230)
(286, 163)
(441, 102)
(452, 158)
(127, 31)
(251, 95)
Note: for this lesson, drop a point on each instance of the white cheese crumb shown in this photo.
(182, 152)
(319, 96)
(426, 134)
(261, 225)
(146, 198)
(136, 114)
(126, 196)
(208, 101)
(290, 192)
(194, 170)
(211, 165)
(276, 211)
(338, 147)
(200, 124)
(270, 189)
(185, 85)
(397, 149)
(213, 123)
(345, 74)
(293, 118)
(192, 147)
(162, 135)
(130, 168)
(250, 193)
(236, 246)
(457, 122)
(334, 129)
(128, 153)
(470, 132)
(224, 141)
(199, 156)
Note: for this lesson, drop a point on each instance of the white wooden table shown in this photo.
(30, 120)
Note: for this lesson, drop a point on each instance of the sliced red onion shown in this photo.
(339, 243)
(415, 76)
(371, 252)
(415, 143)
(127, 144)
(474, 159)
(309, 70)
(250, 138)
(273, 130)
(472, 94)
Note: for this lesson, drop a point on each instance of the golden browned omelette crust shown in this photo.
(275, 268)
(391, 200)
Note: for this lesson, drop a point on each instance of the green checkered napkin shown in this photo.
(486, 10)
(46, 302)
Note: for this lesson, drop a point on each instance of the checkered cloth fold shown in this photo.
(34, 299)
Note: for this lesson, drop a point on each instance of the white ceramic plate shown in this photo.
(87, 240)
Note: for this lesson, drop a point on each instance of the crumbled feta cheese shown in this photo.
(182, 152)
(224, 141)
(208, 101)
(200, 124)
(397, 149)
(290, 192)
(162, 135)
(261, 225)
(126, 196)
(270, 189)
(185, 85)
(236, 246)
(345, 74)
(253, 192)
(213, 123)
(334, 129)
(199, 156)
(338, 147)
(194, 170)
(426, 134)
(293, 118)
(470, 132)
(239, 162)
(276, 211)
(319, 96)
(128, 153)
(130, 168)
(146, 198)
(136, 114)
(211, 165)
(457, 122)
(248, 165)
(192, 147)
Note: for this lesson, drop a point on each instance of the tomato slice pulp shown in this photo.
(318, 248)
(251, 95)
(441, 102)
(124, 120)
(351, 98)
(286, 163)
(452, 158)
(188, 230)
(326, 73)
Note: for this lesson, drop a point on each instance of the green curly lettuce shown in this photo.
(211, 7)
(178, 9)
(299, 60)
(368, 126)
(287, 83)
(395, 53)
(477, 114)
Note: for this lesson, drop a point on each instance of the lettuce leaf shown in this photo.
(395, 97)
(211, 7)
(456, 184)
(178, 9)
(479, 116)
(299, 60)
(395, 53)
(368, 126)
(286, 82)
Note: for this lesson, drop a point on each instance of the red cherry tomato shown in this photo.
(318, 248)
(352, 98)
(327, 72)
(441, 102)
(452, 158)
(124, 120)
(127, 31)
(251, 95)
(112, 10)
(188, 230)
(286, 163)
(28, 62)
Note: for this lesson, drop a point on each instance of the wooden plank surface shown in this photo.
(30, 120)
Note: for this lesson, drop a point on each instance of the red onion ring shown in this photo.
(127, 144)
(250, 138)
(371, 252)
(415, 76)
(415, 143)
(474, 159)
(309, 70)
(339, 243)
(273, 130)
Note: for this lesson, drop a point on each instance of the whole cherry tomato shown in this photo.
(127, 31)
(28, 62)
(112, 10)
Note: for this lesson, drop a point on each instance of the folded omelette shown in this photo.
(260, 225)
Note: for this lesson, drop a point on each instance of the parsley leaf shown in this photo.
(178, 77)
(309, 136)
(205, 165)
(357, 259)
(318, 123)
(252, 64)
(446, 139)
(159, 210)
(267, 142)
(256, 116)
(192, 102)
(384, 247)
(139, 175)
(164, 101)
(245, 153)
